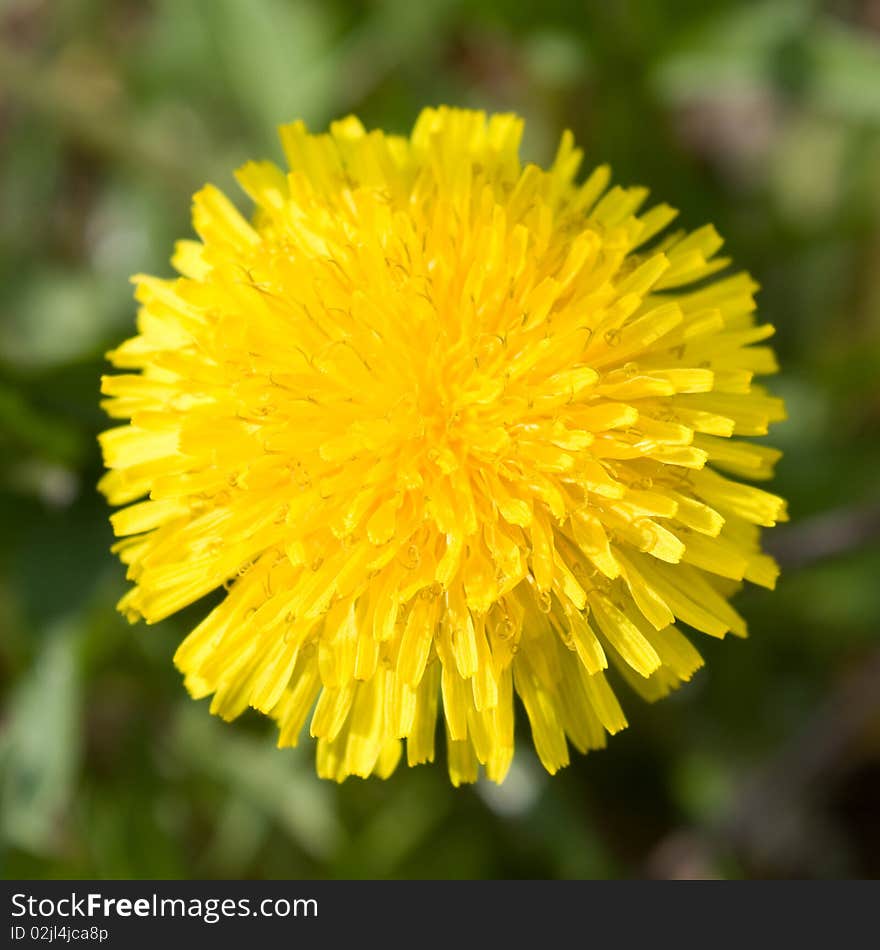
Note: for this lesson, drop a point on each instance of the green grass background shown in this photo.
(762, 117)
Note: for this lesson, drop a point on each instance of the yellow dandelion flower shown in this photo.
(448, 428)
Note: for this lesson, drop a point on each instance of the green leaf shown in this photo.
(733, 52)
(276, 58)
(280, 784)
(40, 746)
(846, 73)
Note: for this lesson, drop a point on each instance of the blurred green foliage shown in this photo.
(763, 117)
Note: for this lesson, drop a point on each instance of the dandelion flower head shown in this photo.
(450, 429)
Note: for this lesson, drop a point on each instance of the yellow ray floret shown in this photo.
(448, 428)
